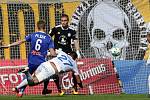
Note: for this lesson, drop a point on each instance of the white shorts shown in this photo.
(44, 71)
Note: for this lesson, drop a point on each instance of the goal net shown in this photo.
(100, 25)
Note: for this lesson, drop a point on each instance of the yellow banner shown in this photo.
(29, 11)
(143, 7)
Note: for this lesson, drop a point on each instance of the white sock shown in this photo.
(23, 83)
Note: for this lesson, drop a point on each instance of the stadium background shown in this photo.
(18, 18)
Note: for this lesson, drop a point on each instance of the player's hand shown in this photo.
(78, 53)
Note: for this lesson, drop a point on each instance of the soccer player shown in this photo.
(60, 64)
(63, 36)
(41, 43)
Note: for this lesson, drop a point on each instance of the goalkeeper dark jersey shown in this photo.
(63, 37)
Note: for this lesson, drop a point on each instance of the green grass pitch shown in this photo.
(80, 97)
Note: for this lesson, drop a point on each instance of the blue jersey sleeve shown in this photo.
(28, 38)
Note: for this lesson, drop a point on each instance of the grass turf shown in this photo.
(80, 97)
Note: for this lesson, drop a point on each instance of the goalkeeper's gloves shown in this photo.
(78, 53)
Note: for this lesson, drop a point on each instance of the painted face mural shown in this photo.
(107, 33)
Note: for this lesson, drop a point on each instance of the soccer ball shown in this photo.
(115, 51)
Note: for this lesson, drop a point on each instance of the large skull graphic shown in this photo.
(108, 29)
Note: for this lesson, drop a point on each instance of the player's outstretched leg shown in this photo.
(75, 89)
(29, 77)
(56, 80)
(15, 90)
(45, 90)
(18, 93)
(20, 88)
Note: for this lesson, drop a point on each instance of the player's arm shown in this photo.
(51, 52)
(27, 38)
(14, 44)
(52, 32)
(76, 44)
(78, 81)
(77, 47)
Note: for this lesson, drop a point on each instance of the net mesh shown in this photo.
(98, 30)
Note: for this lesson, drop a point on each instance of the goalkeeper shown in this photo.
(63, 35)
(60, 64)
